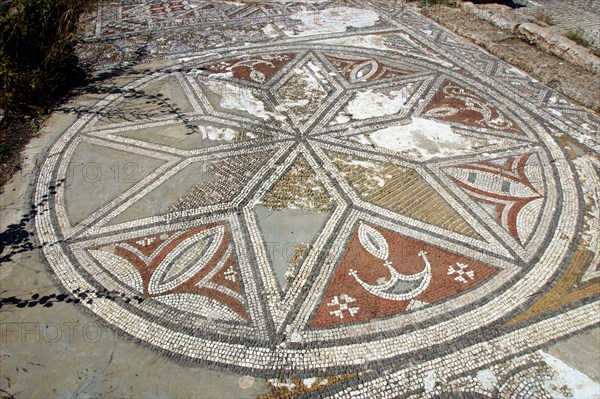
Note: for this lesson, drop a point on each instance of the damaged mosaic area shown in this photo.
(341, 218)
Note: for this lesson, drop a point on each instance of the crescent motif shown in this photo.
(377, 245)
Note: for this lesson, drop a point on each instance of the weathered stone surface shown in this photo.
(358, 204)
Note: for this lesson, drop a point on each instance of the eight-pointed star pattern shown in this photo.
(423, 205)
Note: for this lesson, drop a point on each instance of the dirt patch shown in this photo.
(14, 136)
(571, 80)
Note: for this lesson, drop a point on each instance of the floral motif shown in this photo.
(509, 189)
(363, 70)
(457, 104)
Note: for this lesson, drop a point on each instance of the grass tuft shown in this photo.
(577, 36)
(429, 3)
(37, 61)
(38, 66)
(545, 18)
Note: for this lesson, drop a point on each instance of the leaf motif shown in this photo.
(201, 305)
(258, 76)
(120, 268)
(362, 72)
(186, 260)
(373, 241)
(441, 112)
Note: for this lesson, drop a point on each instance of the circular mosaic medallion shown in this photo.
(305, 208)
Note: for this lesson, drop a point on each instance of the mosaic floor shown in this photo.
(355, 204)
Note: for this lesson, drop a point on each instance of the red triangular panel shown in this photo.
(347, 301)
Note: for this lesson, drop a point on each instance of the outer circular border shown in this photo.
(266, 360)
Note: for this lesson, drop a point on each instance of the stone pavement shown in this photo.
(302, 199)
(567, 29)
(569, 15)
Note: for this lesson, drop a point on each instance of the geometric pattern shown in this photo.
(159, 267)
(157, 99)
(232, 173)
(298, 188)
(302, 94)
(413, 268)
(570, 288)
(395, 244)
(407, 190)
